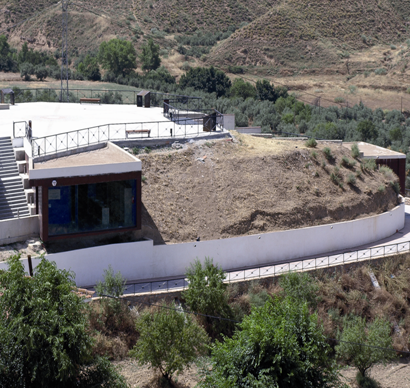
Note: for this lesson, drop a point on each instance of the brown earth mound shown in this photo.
(223, 189)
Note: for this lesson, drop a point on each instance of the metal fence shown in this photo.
(117, 131)
(108, 96)
(179, 284)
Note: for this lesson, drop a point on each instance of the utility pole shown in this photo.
(64, 96)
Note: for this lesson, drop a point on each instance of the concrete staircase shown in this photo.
(13, 199)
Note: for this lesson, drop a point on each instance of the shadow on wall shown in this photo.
(149, 229)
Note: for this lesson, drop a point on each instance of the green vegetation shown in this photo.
(117, 56)
(206, 294)
(328, 153)
(44, 339)
(357, 332)
(243, 89)
(207, 79)
(278, 345)
(355, 151)
(150, 56)
(169, 340)
(312, 143)
(346, 162)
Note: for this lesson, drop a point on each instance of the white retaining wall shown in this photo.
(142, 260)
(18, 229)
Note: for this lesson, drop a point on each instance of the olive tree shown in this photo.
(170, 340)
(364, 345)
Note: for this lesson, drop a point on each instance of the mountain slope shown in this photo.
(305, 33)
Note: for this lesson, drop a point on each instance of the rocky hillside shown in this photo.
(295, 34)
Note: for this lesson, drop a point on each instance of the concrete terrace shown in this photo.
(51, 118)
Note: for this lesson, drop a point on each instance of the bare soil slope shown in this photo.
(224, 189)
(303, 33)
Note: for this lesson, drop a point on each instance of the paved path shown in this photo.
(397, 243)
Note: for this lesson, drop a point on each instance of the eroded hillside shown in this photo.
(224, 189)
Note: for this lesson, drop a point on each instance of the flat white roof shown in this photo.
(371, 151)
(108, 160)
(50, 118)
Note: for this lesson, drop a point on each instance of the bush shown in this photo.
(311, 142)
(351, 179)
(354, 150)
(347, 163)
(328, 153)
(370, 165)
(299, 286)
(26, 71)
(380, 71)
(339, 100)
(40, 72)
(44, 333)
(169, 340)
(278, 345)
(388, 173)
(206, 294)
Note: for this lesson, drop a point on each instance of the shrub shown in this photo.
(380, 71)
(351, 179)
(206, 294)
(347, 163)
(278, 345)
(396, 187)
(354, 150)
(381, 189)
(328, 153)
(144, 179)
(340, 100)
(147, 150)
(370, 165)
(311, 142)
(300, 286)
(387, 172)
(169, 340)
(313, 154)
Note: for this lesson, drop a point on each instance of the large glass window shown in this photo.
(91, 207)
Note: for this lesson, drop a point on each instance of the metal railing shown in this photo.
(272, 270)
(177, 114)
(109, 132)
(108, 96)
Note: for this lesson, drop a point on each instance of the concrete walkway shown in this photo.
(395, 244)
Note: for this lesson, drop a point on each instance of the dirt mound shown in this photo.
(224, 189)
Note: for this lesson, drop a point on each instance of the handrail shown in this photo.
(184, 127)
(276, 269)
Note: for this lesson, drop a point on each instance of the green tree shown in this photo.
(243, 89)
(26, 71)
(44, 339)
(170, 340)
(265, 91)
(209, 80)
(7, 63)
(367, 129)
(206, 294)
(40, 72)
(150, 56)
(89, 68)
(278, 345)
(118, 56)
(356, 334)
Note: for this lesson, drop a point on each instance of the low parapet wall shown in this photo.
(18, 229)
(143, 260)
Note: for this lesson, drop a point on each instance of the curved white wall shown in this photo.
(143, 261)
